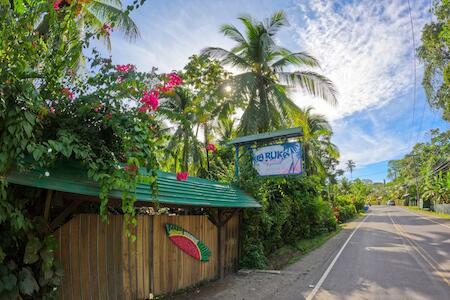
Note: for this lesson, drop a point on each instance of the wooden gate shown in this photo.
(100, 262)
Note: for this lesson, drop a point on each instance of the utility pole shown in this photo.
(417, 181)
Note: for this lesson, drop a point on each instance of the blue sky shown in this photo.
(364, 47)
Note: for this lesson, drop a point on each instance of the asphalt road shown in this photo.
(394, 254)
(391, 253)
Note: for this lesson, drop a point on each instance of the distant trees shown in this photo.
(426, 163)
(350, 167)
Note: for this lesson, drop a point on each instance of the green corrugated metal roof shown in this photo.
(193, 192)
(279, 134)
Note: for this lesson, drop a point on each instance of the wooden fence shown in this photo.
(100, 262)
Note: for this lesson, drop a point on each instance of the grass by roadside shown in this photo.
(290, 254)
(427, 212)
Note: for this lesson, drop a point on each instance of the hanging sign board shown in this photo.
(280, 159)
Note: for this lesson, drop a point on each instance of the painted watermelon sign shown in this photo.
(188, 243)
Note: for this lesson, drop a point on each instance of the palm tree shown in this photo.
(225, 130)
(350, 167)
(266, 75)
(316, 141)
(95, 13)
(183, 145)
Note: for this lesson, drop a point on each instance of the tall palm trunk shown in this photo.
(185, 163)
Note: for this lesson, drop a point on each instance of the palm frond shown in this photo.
(296, 59)
(313, 83)
(108, 13)
(233, 33)
(276, 21)
(226, 57)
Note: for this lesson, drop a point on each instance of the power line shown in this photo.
(414, 69)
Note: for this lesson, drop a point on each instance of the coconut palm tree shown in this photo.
(266, 73)
(94, 14)
(225, 130)
(183, 145)
(317, 146)
(350, 167)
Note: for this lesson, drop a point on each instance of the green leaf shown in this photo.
(2, 255)
(9, 281)
(28, 129)
(27, 283)
(19, 7)
(31, 251)
(37, 154)
(30, 117)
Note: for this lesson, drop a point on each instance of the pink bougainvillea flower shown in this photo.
(56, 4)
(143, 109)
(100, 106)
(120, 78)
(182, 176)
(130, 168)
(52, 110)
(107, 29)
(211, 147)
(149, 100)
(68, 93)
(125, 68)
(173, 81)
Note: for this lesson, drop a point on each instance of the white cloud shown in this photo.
(364, 48)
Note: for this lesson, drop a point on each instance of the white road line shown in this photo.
(423, 217)
(325, 275)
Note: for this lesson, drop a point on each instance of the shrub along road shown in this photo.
(390, 253)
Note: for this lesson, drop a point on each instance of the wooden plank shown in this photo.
(75, 257)
(84, 257)
(102, 241)
(111, 269)
(93, 256)
(66, 262)
(64, 214)
(125, 266)
(118, 256)
(151, 257)
(140, 259)
(48, 202)
(132, 263)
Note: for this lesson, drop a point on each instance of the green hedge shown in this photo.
(292, 209)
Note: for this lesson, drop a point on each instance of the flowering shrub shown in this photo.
(50, 112)
(211, 147)
(182, 176)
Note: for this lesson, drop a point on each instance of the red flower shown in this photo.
(182, 176)
(107, 29)
(68, 93)
(149, 100)
(132, 168)
(56, 4)
(125, 68)
(211, 147)
(108, 116)
(52, 110)
(173, 81)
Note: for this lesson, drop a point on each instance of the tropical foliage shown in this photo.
(103, 119)
(424, 171)
(114, 120)
(266, 74)
(435, 53)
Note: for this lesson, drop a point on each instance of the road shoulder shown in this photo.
(302, 274)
